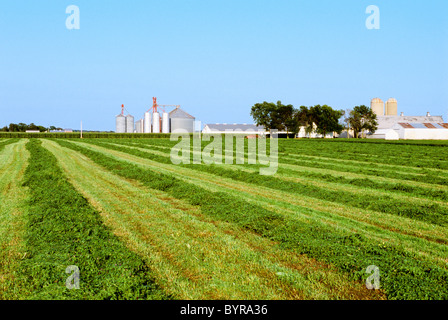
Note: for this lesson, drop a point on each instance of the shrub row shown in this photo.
(77, 135)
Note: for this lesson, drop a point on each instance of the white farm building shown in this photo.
(394, 127)
(245, 128)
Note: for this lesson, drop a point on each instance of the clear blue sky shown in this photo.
(217, 58)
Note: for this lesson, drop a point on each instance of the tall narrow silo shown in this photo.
(120, 124)
(377, 106)
(391, 107)
(129, 124)
(147, 123)
(156, 122)
(165, 122)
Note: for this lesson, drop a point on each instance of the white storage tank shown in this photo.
(156, 122)
(147, 123)
(129, 124)
(120, 124)
(138, 127)
(165, 122)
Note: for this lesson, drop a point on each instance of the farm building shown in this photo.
(421, 131)
(234, 128)
(393, 127)
(303, 134)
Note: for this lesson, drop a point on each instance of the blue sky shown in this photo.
(217, 58)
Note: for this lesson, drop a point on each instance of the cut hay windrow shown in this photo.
(428, 212)
(65, 235)
(404, 275)
(404, 187)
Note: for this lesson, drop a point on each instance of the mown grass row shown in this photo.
(403, 275)
(402, 188)
(5, 142)
(370, 165)
(63, 230)
(427, 156)
(372, 169)
(428, 212)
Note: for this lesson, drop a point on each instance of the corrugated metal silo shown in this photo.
(129, 124)
(156, 122)
(180, 120)
(391, 107)
(377, 106)
(147, 123)
(120, 124)
(165, 123)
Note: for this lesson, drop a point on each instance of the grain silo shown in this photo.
(180, 120)
(147, 123)
(165, 122)
(377, 106)
(391, 107)
(129, 124)
(156, 122)
(120, 124)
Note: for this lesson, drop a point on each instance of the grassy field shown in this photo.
(139, 227)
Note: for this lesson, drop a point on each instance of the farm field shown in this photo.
(140, 227)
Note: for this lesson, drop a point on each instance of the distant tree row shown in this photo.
(22, 127)
(321, 119)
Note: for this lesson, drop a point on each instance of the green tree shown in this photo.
(326, 119)
(305, 119)
(272, 115)
(283, 117)
(262, 114)
(361, 119)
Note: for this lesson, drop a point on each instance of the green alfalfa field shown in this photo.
(138, 226)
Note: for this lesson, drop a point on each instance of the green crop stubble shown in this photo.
(404, 275)
(62, 229)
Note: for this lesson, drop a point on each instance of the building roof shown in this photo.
(179, 113)
(424, 125)
(234, 126)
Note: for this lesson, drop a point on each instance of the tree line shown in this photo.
(23, 127)
(321, 119)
